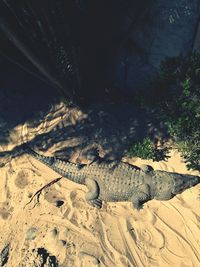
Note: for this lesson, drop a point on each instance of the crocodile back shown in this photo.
(116, 184)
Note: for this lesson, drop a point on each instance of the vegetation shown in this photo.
(147, 150)
(67, 102)
(190, 150)
(178, 104)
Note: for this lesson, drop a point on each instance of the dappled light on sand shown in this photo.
(59, 227)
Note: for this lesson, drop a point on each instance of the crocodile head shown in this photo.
(165, 185)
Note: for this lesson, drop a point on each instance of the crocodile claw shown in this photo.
(97, 203)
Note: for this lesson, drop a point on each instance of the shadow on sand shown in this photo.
(110, 126)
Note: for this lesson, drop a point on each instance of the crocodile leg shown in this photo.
(141, 196)
(93, 193)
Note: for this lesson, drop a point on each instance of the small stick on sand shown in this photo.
(38, 192)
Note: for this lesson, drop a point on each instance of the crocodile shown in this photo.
(115, 182)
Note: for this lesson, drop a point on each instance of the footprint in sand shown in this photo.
(58, 244)
(147, 237)
(4, 214)
(88, 259)
(54, 197)
(38, 257)
(77, 200)
(5, 210)
(54, 233)
(21, 180)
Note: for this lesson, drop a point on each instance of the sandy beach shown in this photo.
(59, 228)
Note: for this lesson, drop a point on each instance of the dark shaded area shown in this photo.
(59, 203)
(114, 125)
(94, 50)
(4, 255)
(22, 96)
(52, 261)
(97, 53)
(108, 127)
(38, 32)
(73, 45)
(106, 32)
(69, 46)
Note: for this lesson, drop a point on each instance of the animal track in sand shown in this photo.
(38, 257)
(4, 214)
(5, 210)
(88, 259)
(59, 244)
(112, 233)
(76, 200)
(146, 236)
(21, 180)
(52, 195)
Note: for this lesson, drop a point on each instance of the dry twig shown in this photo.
(38, 192)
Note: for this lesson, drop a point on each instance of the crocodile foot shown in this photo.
(141, 196)
(97, 203)
(93, 193)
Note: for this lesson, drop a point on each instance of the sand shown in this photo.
(61, 227)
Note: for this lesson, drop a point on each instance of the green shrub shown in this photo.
(178, 104)
(66, 101)
(146, 150)
(190, 150)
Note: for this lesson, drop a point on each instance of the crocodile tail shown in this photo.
(44, 159)
(64, 168)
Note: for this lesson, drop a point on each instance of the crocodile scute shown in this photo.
(113, 182)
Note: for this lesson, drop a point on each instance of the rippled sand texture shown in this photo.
(76, 234)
